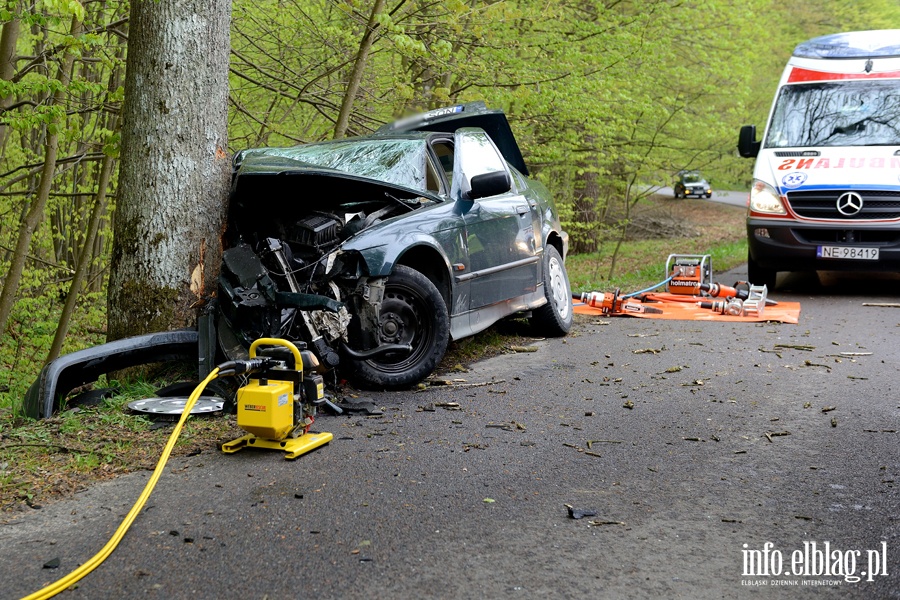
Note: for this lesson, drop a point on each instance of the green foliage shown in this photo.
(606, 98)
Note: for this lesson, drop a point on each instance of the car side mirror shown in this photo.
(489, 184)
(748, 147)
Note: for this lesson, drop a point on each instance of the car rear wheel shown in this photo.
(412, 312)
(554, 319)
(760, 275)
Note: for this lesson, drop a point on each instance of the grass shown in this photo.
(704, 227)
(41, 461)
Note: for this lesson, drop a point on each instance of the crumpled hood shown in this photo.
(265, 175)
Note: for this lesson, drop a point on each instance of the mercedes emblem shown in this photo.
(849, 204)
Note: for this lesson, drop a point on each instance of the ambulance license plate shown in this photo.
(847, 252)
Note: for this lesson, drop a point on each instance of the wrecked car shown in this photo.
(375, 251)
(425, 232)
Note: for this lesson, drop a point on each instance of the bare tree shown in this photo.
(174, 172)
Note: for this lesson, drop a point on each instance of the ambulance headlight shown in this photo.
(764, 199)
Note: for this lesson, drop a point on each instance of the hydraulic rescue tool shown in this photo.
(728, 306)
(266, 408)
(278, 405)
(740, 290)
(687, 272)
(611, 303)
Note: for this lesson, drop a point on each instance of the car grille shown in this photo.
(879, 237)
(877, 204)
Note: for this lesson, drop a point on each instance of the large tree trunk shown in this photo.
(174, 175)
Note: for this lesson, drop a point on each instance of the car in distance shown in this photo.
(691, 183)
(379, 250)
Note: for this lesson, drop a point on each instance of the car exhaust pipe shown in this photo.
(376, 352)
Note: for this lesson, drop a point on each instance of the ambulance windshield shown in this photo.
(845, 113)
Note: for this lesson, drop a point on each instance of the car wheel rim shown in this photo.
(558, 288)
(401, 322)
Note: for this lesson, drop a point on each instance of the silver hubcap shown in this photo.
(558, 289)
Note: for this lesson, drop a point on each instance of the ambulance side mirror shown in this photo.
(748, 147)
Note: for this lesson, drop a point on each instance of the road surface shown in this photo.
(711, 454)
(723, 196)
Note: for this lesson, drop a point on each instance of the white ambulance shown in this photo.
(826, 185)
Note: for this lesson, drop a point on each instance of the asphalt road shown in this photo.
(660, 427)
(723, 196)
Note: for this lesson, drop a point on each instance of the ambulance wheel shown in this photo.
(760, 275)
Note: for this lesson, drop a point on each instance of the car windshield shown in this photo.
(848, 113)
(395, 161)
(691, 178)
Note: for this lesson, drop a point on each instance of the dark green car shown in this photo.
(379, 250)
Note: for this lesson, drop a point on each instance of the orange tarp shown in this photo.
(686, 308)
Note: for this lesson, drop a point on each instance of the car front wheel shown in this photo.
(412, 313)
(554, 319)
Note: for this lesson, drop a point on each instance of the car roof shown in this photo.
(470, 114)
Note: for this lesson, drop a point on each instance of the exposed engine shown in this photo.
(288, 278)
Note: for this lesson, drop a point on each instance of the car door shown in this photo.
(502, 249)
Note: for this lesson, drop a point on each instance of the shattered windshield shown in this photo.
(848, 113)
(396, 161)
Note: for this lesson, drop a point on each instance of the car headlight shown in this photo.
(764, 199)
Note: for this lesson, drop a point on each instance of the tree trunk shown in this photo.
(8, 39)
(35, 213)
(359, 67)
(84, 259)
(174, 174)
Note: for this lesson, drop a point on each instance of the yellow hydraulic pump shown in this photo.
(278, 405)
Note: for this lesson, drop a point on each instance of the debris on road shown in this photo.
(590, 443)
(579, 513)
(771, 434)
(648, 351)
(804, 347)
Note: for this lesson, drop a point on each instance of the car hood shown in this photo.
(262, 172)
(847, 168)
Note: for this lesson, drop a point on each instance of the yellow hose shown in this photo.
(76, 575)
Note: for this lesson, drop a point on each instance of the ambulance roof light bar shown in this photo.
(881, 43)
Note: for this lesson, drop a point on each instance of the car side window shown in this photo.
(475, 154)
(444, 152)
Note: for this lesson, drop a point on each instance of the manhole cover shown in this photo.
(175, 405)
